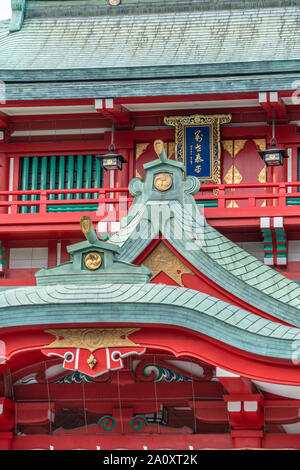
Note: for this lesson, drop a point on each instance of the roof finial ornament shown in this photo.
(160, 150)
(89, 232)
(17, 17)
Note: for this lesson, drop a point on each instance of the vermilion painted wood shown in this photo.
(178, 395)
(140, 99)
(216, 411)
(90, 442)
(24, 345)
(163, 442)
(49, 102)
(205, 194)
(285, 134)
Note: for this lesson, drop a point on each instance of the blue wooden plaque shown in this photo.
(197, 140)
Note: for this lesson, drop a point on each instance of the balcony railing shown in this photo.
(230, 200)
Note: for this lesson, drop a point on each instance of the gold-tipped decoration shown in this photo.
(86, 224)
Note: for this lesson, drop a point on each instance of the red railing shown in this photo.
(106, 199)
(246, 196)
(275, 194)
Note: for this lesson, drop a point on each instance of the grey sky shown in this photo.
(5, 11)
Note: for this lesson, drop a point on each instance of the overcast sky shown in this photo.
(5, 11)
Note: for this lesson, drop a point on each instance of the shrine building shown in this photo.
(150, 225)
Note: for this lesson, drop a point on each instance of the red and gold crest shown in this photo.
(93, 351)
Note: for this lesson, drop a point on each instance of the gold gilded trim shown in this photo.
(171, 149)
(91, 338)
(161, 259)
(233, 176)
(238, 146)
(86, 224)
(232, 204)
(261, 144)
(92, 361)
(228, 146)
(140, 149)
(262, 175)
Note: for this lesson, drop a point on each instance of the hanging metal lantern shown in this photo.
(273, 156)
(111, 160)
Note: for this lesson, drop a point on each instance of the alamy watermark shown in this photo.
(179, 222)
(3, 358)
(296, 93)
(2, 92)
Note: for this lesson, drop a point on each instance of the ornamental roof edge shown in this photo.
(51, 8)
(165, 305)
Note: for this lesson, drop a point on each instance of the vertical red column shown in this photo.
(4, 180)
(122, 177)
(280, 173)
(52, 253)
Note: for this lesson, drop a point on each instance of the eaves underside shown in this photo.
(238, 69)
(148, 87)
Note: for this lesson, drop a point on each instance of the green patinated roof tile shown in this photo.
(212, 242)
(258, 281)
(244, 323)
(295, 302)
(184, 297)
(132, 303)
(238, 257)
(206, 303)
(236, 268)
(270, 289)
(278, 294)
(195, 300)
(252, 264)
(258, 325)
(279, 331)
(238, 316)
(266, 331)
(250, 275)
(289, 335)
(290, 297)
(224, 315)
(204, 37)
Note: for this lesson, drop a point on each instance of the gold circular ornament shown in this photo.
(163, 181)
(93, 261)
(114, 3)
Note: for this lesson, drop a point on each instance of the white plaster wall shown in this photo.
(253, 248)
(294, 250)
(28, 258)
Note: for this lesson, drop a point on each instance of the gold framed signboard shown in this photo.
(197, 141)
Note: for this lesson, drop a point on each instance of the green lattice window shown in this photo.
(60, 172)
